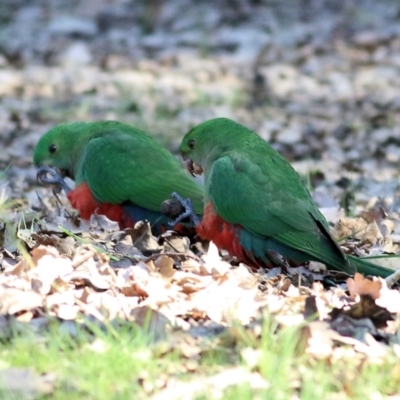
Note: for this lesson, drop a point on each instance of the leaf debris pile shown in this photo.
(96, 271)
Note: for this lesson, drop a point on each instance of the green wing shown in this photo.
(270, 200)
(120, 167)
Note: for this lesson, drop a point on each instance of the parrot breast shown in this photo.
(222, 233)
(81, 198)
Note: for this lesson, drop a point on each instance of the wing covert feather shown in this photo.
(267, 204)
(119, 167)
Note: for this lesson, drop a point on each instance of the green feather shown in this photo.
(119, 163)
(251, 184)
(367, 267)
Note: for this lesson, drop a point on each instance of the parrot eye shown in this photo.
(191, 144)
(52, 148)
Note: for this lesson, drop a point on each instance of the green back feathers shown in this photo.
(118, 162)
(251, 184)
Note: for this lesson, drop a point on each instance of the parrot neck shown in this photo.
(209, 159)
(80, 141)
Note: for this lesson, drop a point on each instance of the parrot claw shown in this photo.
(50, 176)
(188, 213)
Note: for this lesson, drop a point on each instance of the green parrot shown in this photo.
(119, 171)
(256, 206)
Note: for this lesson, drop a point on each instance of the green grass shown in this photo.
(113, 372)
(128, 356)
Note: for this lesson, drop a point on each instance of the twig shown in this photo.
(392, 279)
(155, 256)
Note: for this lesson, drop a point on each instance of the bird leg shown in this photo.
(49, 176)
(184, 208)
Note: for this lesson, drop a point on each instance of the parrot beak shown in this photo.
(54, 177)
(43, 170)
(193, 168)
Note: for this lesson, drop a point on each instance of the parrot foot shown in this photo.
(50, 176)
(188, 210)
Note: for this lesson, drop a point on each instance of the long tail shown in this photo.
(368, 268)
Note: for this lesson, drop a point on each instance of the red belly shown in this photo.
(81, 199)
(222, 233)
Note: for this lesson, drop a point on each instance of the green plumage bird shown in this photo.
(119, 171)
(256, 205)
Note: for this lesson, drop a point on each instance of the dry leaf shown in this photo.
(154, 322)
(142, 238)
(165, 266)
(370, 235)
(176, 244)
(67, 312)
(349, 226)
(367, 308)
(102, 222)
(363, 286)
(50, 267)
(389, 298)
(13, 300)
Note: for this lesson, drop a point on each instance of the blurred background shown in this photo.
(318, 79)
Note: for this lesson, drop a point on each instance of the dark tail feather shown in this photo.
(368, 268)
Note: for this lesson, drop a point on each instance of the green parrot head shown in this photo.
(210, 140)
(59, 148)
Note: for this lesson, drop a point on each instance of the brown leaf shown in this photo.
(177, 244)
(82, 256)
(13, 300)
(371, 234)
(94, 279)
(102, 222)
(56, 299)
(386, 227)
(375, 214)
(363, 286)
(41, 251)
(142, 237)
(84, 294)
(154, 322)
(25, 317)
(127, 250)
(50, 266)
(18, 269)
(63, 245)
(165, 266)
(348, 227)
(365, 308)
